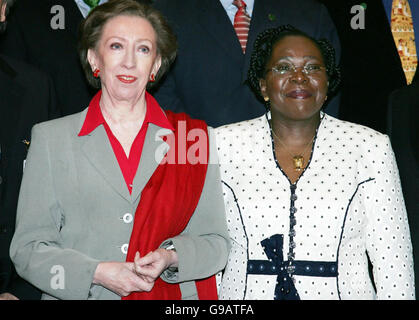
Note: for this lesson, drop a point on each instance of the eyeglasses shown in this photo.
(287, 69)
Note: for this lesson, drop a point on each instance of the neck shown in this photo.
(294, 132)
(123, 111)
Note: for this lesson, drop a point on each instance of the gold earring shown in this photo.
(266, 99)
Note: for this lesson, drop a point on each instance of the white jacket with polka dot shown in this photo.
(349, 209)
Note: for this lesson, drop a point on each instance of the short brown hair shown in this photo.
(91, 29)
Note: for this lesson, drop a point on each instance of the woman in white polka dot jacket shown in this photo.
(310, 199)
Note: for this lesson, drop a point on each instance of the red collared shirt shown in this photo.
(128, 165)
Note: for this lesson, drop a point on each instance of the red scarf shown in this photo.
(167, 203)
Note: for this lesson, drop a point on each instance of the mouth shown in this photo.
(126, 79)
(299, 94)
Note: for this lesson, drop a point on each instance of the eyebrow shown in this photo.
(124, 40)
(290, 58)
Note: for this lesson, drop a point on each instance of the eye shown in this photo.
(283, 68)
(116, 46)
(312, 67)
(144, 49)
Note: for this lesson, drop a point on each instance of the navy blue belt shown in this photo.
(285, 288)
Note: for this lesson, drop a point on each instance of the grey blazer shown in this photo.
(75, 211)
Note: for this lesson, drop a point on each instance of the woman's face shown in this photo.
(294, 94)
(126, 56)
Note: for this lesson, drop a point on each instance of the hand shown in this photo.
(154, 263)
(7, 296)
(120, 278)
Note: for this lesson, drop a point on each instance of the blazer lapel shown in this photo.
(262, 18)
(98, 150)
(214, 19)
(153, 152)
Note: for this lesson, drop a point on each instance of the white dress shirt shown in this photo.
(231, 9)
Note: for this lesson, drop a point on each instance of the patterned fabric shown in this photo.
(241, 23)
(92, 3)
(349, 207)
(404, 37)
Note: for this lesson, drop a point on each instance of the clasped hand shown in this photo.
(140, 275)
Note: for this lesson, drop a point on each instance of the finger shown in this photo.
(150, 258)
(142, 285)
(153, 271)
(136, 258)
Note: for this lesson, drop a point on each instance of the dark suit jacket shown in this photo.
(370, 64)
(30, 37)
(207, 78)
(403, 129)
(27, 98)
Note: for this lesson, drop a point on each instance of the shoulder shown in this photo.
(240, 130)
(175, 8)
(180, 14)
(302, 4)
(362, 144)
(20, 67)
(303, 7)
(404, 95)
(24, 73)
(68, 125)
(241, 139)
(356, 132)
(355, 129)
(26, 9)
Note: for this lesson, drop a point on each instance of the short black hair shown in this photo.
(262, 51)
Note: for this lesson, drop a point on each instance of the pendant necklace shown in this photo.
(298, 159)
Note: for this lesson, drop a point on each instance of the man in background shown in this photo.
(44, 33)
(372, 65)
(27, 97)
(215, 39)
(403, 130)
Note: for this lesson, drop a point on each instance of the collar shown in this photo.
(94, 117)
(228, 5)
(84, 8)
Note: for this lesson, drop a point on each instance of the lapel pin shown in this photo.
(26, 143)
(271, 17)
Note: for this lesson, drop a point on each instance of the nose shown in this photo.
(129, 59)
(299, 75)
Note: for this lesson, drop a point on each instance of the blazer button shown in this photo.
(124, 248)
(127, 218)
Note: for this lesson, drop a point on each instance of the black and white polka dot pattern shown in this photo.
(349, 205)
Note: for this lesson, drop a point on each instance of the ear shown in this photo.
(3, 11)
(262, 86)
(92, 59)
(156, 65)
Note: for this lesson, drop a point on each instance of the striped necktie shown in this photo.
(241, 23)
(404, 37)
